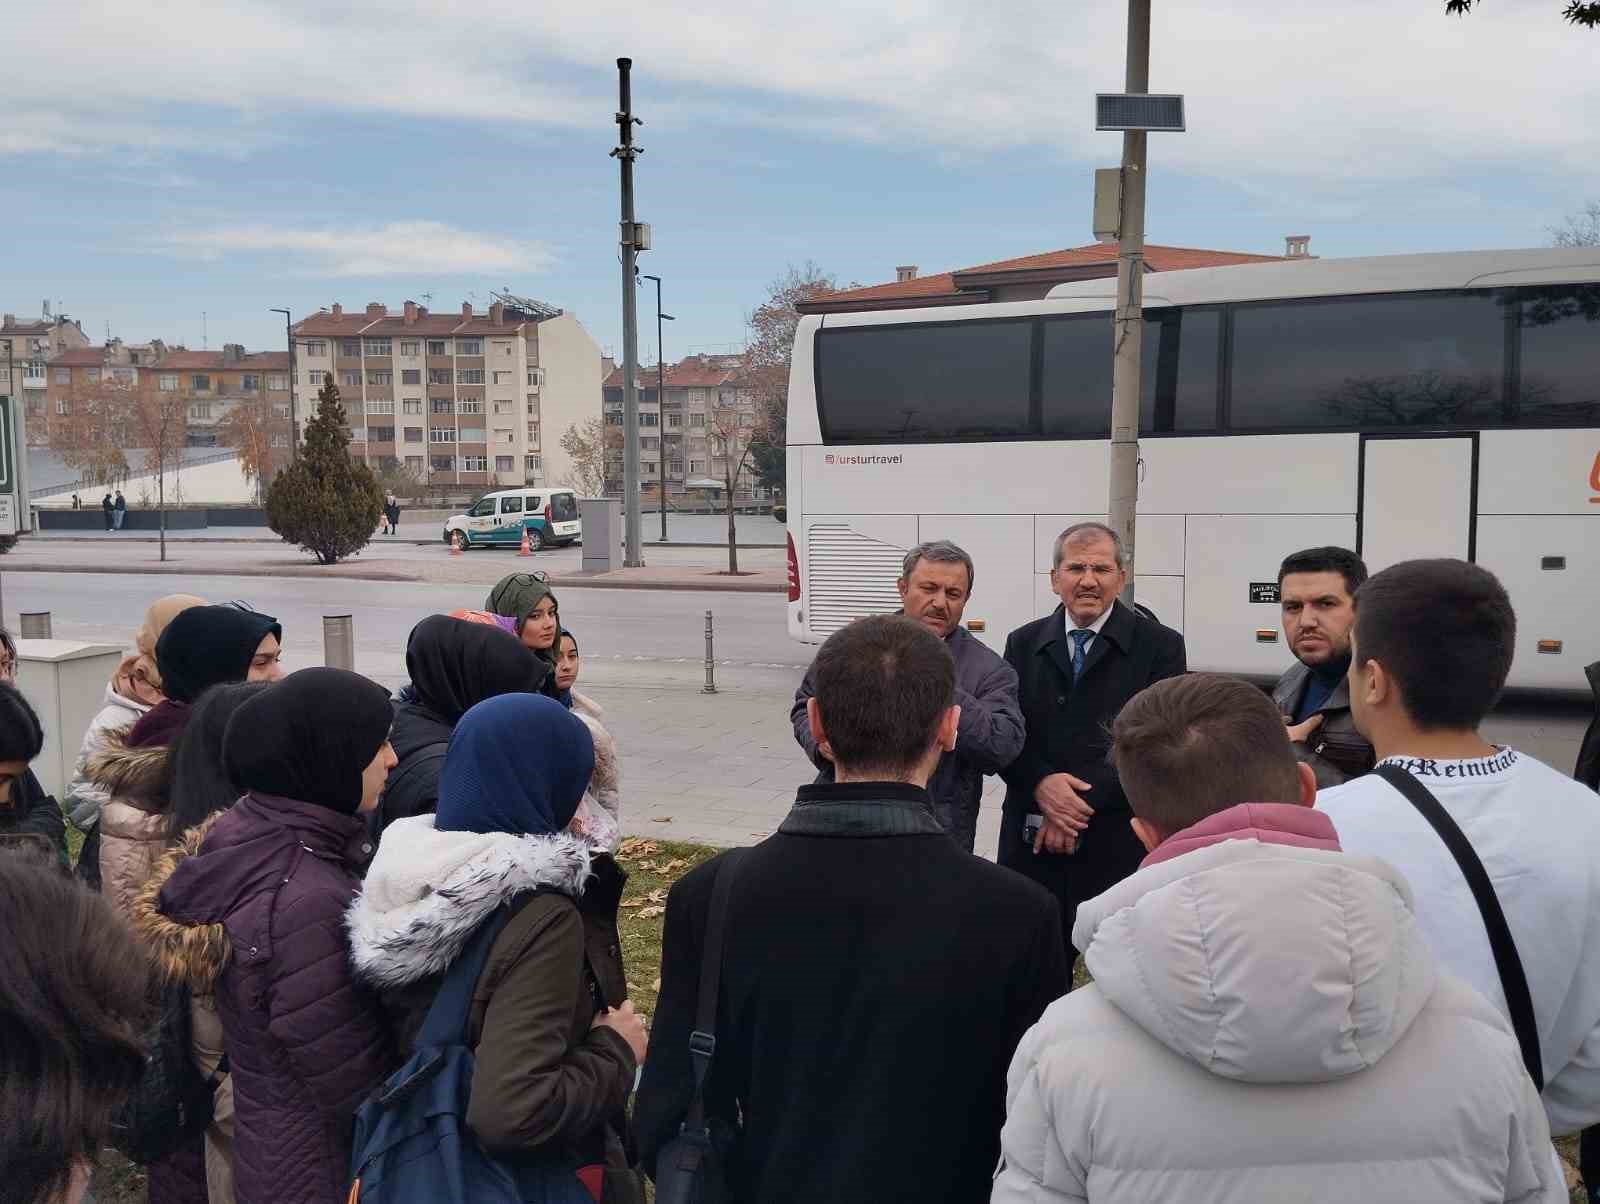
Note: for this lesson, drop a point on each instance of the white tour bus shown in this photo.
(1404, 406)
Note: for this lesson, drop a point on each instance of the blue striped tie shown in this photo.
(1080, 640)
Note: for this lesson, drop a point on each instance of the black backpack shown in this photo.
(172, 1102)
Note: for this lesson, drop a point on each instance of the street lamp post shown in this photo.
(294, 425)
(661, 401)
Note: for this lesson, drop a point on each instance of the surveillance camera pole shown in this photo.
(1122, 511)
(626, 153)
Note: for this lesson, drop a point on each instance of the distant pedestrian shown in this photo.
(121, 510)
(391, 515)
(1316, 591)
(1433, 644)
(77, 502)
(875, 977)
(1253, 975)
(277, 870)
(109, 509)
(935, 585)
(73, 1011)
(557, 1040)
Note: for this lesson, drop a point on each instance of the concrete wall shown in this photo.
(221, 483)
(571, 392)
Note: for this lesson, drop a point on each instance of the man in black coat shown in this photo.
(876, 978)
(1066, 820)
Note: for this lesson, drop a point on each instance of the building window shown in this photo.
(168, 383)
(505, 463)
(503, 434)
(439, 376)
(502, 346)
(277, 381)
(380, 407)
(533, 464)
(469, 376)
(502, 378)
(380, 378)
(470, 405)
(674, 420)
(474, 434)
(358, 434)
(613, 419)
(316, 376)
(279, 439)
(675, 467)
(125, 376)
(411, 376)
(650, 443)
(533, 432)
(200, 382)
(504, 407)
(535, 377)
(412, 405)
(441, 434)
(415, 463)
(350, 379)
(63, 406)
(648, 467)
(280, 410)
(91, 376)
(378, 347)
(442, 405)
(381, 434)
(533, 405)
(697, 466)
(200, 411)
(410, 347)
(649, 419)
(350, 347)
(249, 383)
(443, 463)
(474, 463)
(413, 434)
(469, 346)
(317, 347)
(438, 347)
(697, 419)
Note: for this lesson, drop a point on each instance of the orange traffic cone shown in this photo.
(526, 550)
(455, 543)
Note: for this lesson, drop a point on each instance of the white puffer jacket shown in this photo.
(1268, 1024)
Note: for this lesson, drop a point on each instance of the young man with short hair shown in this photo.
(1316, 590)
(875, 977)
(1266, 1020)
(1433, 644)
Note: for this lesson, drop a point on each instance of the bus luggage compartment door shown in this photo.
(1417, 498)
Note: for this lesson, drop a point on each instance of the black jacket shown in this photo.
(1069, 723)
(876, 981)
(34, 816)
(1336, 752)
(989, 738)
(419, 739)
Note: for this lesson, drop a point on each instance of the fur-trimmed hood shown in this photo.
(131, 775)
(427, 891)
(195, 955)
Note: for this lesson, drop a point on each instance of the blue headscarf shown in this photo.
(518, 763)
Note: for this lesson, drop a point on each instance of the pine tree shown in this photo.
(326, 502)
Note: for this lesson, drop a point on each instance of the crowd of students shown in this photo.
(1293, 995)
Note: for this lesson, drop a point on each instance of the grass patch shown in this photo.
(653, 866)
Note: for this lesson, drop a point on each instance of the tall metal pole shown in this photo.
(626, 152)
(661, 405)
(1122, 512)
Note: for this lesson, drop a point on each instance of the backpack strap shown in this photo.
(703, 1040)
(1507, 962)
(447, 1020)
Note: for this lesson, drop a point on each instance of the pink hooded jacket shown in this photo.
(1270, 823)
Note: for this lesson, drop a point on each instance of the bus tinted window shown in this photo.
(1180, 353)
(1428, 359)
(1076, 384)
(907, 384)
(1560, 384)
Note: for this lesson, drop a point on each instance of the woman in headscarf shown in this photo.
(599, 818)
(453, 667)
(134, 688)
(201, 647)
(276, 871)
(530, 604)
(200, 790)
(557, 1042)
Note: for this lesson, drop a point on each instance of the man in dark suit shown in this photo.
(1066, 820)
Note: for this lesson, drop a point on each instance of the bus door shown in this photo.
(1418, 498)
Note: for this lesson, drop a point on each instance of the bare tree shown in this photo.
(586, 444)
(735, 434)
(260, 435)
(161, 421)
(1581, 229)
(90, 435)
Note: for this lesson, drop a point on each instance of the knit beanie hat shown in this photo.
(205, 646)
(516, 597)
(162, 611)
(519, 764)
(310, 738)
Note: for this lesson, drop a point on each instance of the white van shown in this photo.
(498, 519)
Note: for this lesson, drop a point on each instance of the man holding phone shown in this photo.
(1065, 823)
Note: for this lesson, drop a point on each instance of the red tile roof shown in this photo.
(79, 357)
(394, 325)
(971, 285)
(695, 372)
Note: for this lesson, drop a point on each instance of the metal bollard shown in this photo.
(338, 641)
(711, 660)
(36, 626)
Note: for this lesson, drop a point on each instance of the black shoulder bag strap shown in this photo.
(1506, 960)
(703, 1040)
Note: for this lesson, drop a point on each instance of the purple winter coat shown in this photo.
(305, 1043)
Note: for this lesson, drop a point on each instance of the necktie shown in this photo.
(1080, 641)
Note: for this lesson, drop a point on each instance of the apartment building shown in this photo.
(26, 347)
(675, 444)
(464, 399)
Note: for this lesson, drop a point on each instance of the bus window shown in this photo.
(926, 383)
(1076, 385)
(1181, 354)
(1424, 359)
(1560, 382)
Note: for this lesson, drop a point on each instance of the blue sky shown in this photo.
(160, 162)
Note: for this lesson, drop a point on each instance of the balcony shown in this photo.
(30, 381)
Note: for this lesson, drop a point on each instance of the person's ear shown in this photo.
(818, 736)
(1308, 784)
(901, 586)
(1149, 835)
(949, 726)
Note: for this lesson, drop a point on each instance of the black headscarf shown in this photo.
(455, 665)
(309, 738)
(206, 646)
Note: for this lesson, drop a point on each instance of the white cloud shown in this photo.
(394, 249)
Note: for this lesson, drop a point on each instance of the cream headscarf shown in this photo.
(137, 676)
